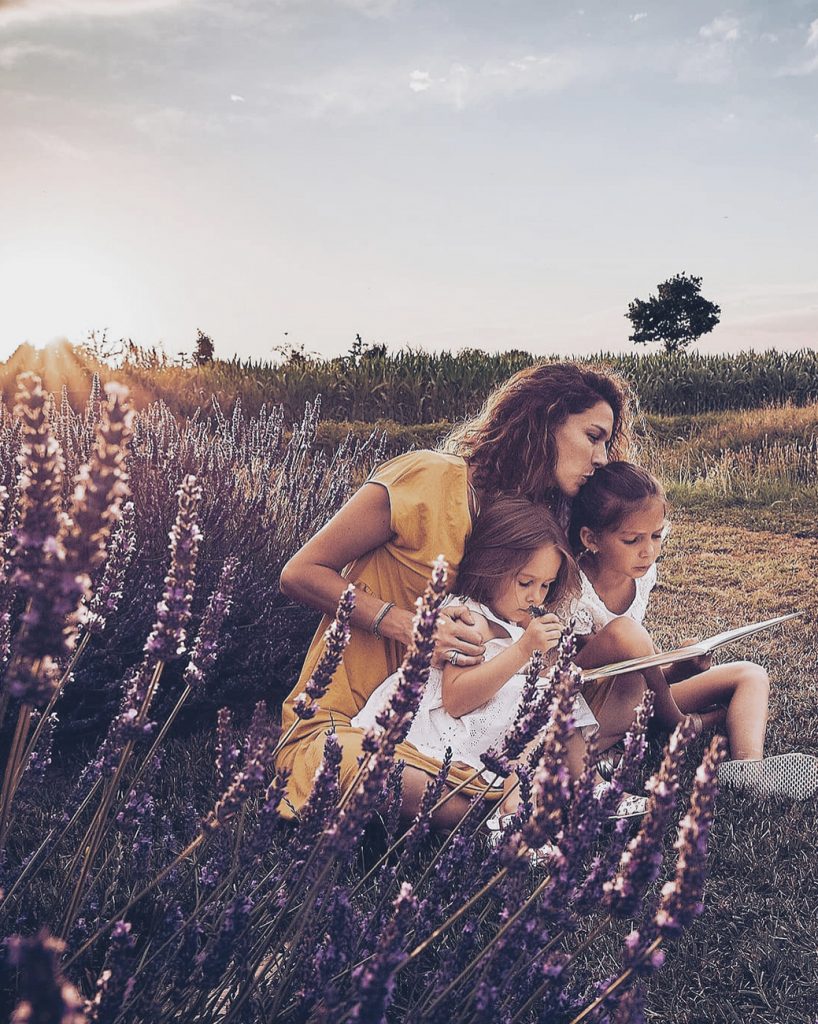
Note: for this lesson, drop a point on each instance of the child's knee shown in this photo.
(753, 678)
(629, 635)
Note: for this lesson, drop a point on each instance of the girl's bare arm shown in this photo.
(313, 575)
(465, 689)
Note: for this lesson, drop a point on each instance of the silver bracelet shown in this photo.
(376, 622)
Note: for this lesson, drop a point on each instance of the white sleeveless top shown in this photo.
(434, 729)
(591, 612)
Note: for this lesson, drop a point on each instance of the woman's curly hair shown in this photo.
(511, 443)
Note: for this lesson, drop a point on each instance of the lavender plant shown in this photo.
(204, 904)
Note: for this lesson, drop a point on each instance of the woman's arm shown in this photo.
(470, 688)
(313, 575)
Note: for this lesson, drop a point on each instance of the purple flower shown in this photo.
(419, 829)
(40, 760)
(629, 1007)
(374, 981)
(101, 485)
(167, 640)
(227, 753)
(46, 997)
(532, 714)
(588, 894)
(51, 587)
(250, 778)
(206, 646)
(393, 722)
(551, 787)
(138, 815)
(115, 983)
(642, 859)
(336, 639)
(681, 899)
(108, 592)
(260, 839)
(324, 795)
(333, 955)
(222, 947)
(40, 483)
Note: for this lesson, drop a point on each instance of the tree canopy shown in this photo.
(677, 315)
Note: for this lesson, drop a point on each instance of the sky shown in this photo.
(437, 174)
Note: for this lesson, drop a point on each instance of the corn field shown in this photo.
(415, 387)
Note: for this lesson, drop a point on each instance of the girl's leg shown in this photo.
(575, 761)
(614, 702)
(744, 689)
(414, 786)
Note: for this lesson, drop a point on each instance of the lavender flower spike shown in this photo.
(40, 485)
(167, 640)
(116, 983)
(394, 721)
(681, 898)
(335, 640)
(52, 589)
(45, 994)
(251, 777)
(552, 784)
(642, 858)
(109, 590)
(206, 646)
(101, 485)
(375, 980)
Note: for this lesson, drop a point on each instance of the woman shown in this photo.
(541, 434)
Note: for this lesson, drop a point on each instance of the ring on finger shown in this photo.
(453, 657)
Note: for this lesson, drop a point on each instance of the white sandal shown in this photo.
(629, 806)
(793, 776)
(538, 858)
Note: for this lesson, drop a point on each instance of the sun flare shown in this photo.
(61, 292)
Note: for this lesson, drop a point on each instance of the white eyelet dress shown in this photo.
(434, 729)
(592, 614)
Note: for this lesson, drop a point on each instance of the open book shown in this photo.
(684, 653)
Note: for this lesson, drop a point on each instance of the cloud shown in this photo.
(235, 98)
(464, 85)
(371, 8)
(365, 90)
(420, 81)
(809, 66)
(40, 10)
(724, 28)
(638, 16)
(711, 62)
(53, 144)
(173, 122)
(16, 53)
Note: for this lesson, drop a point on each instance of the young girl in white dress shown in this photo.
(516, 557)
(618, 523)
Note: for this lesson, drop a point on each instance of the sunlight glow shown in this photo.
(64, 291)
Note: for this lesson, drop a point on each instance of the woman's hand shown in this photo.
(541, 634)
(457, 633)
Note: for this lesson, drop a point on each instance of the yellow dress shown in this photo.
(428, 496)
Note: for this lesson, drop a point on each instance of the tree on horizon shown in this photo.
(677, 315)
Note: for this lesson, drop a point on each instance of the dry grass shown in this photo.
(712, 431)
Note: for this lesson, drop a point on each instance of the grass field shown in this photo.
(753, 955)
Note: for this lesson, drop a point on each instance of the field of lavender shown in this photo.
(146, 874)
